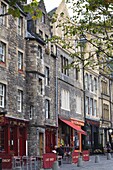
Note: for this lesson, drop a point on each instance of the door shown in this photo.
(40, 144)
(22, 145)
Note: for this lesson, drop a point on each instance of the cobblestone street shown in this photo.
(104, 164)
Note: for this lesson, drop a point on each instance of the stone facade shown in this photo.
(49, 92)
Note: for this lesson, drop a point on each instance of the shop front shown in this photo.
(92, 138)
(70, 133)
(50, 138)
(106, 133)
(13, 138)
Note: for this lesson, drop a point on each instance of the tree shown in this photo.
(93, 20)
(15, 7)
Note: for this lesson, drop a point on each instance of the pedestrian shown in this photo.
(108, 146)
(59, 151)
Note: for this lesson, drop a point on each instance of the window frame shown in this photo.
(20, 26)
(47, 76)
(47, 109)
(2, 95)
(40, 52)
(20, 61)
(20, 101)
(91, 106)
(87, 105)
(43, 18)
(64, 64)
(95, 108)
(31, 112)
(65, 99)
(40, 86)
(2, 52)
(3, 20)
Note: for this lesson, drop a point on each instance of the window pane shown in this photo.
(2, 95)
(47, 109)
(20, 96)
(2, 51)
(47, 76)
(20, 61)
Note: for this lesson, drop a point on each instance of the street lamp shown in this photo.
(110, 131)
(83, 41)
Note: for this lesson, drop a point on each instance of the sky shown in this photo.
(51, 4)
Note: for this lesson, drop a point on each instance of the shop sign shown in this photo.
(75, 156)
(85, 155)
(13, 122)
(96, 123)
(77, 122)
(48, 160)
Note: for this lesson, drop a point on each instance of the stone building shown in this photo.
(43, 103)
(70, 107)
(13, 125)
(41, 82)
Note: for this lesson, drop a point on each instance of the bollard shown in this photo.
(108, 156)
(55, 166)
(97, 159)
(80, 162)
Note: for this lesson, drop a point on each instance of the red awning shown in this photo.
(78, 128)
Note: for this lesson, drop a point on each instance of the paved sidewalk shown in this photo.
(104, 164)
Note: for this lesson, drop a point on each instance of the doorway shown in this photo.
(40, 143)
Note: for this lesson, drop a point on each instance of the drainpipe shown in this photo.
(110, 109)
(110, 101)
(56, 96)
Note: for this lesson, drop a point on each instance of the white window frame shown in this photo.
(31, 113)
(43, 18)
(91, 106)
(47, 76)
(91, 83)
(3, 20)
(78, 104)
(2, 51)
(95, 107)
(19, 24)
(40, 52)
(2, 95)
(95, 85)
(65, 100)
(20, 101)
(47, 109)
(20, 60)
(87, 105)
(86, 81)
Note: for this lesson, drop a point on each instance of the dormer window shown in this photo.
(43, 18)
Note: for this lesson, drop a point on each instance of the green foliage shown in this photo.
(31, 8)
(94, 19)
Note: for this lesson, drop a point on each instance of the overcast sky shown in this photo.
(50, 4)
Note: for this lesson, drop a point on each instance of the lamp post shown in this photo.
(83, 41)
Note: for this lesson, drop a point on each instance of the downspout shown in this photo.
(56, 96)
(110, 102)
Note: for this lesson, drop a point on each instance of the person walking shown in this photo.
(108, 146)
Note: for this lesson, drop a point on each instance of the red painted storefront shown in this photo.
(50, 138)
(13, 137)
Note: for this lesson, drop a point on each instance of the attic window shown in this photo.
(43, 18)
